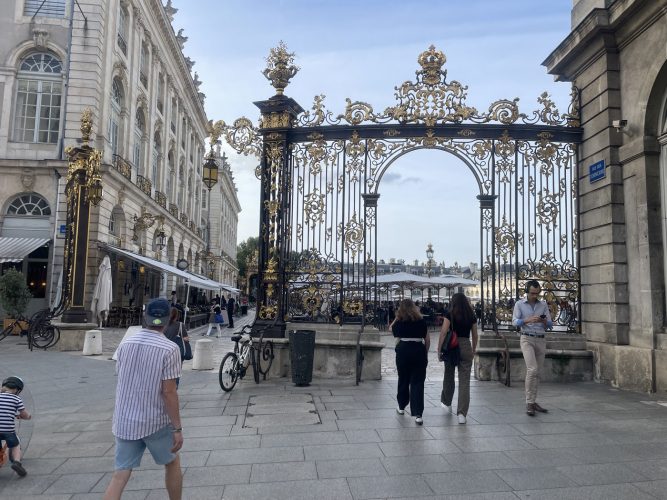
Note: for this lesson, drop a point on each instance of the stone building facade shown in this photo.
(615, 54)
(124, 61)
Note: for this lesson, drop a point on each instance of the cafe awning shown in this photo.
(194, 279)
(17, 249)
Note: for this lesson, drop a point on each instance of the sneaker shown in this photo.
(539, 408)
(462, 418)
(447, 407)
(530, 409)
(419, 421)
(18, 468)
(400, 412)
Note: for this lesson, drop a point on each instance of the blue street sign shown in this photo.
(63, 229)
(596, 171)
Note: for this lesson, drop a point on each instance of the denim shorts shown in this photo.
(10, 438)
(129, 452)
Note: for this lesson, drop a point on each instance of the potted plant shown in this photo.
(14, 296)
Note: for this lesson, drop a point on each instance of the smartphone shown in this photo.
(543, 316)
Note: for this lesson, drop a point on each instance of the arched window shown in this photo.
(139, 128)
(112, 224)
(38, 93)
(121, 37)
(181, 185)
(157, 146)
(29, 204)
(115, 116)
(170, 177)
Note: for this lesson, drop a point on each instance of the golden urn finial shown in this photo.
(86, 125)
(280, 67)
(215, 131)
(432, 61)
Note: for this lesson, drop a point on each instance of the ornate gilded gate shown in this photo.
(320, 182)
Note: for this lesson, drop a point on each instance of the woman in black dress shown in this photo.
(462, 318)
(412, 343)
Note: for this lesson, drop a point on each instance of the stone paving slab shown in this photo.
(596, 442)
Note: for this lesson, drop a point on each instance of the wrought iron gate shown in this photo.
(321, 177)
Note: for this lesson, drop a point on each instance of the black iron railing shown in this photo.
(144, 184)
(122, 165)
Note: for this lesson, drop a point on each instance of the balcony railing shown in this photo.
(161, 199)
(173, 209)
(193, 226)
(144, 184)
(122, 43)
(184, 219)
(122, 165)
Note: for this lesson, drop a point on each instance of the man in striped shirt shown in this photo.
(146, 414)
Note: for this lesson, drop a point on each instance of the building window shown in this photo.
(143, 66)
(174, 115)
(157, 144)
(112, 224)
(160, 94)
(29, 204)
(38, 94)
(121, 36)
(44, 8)
(114, 119)
(139, 127)
(183, 133)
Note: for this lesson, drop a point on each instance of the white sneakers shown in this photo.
(448, 408)
(419, 421)
(462, 418)
(400, 412)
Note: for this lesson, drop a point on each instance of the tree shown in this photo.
(14, 293)
(244, 252)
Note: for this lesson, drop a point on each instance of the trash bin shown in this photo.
(302, 352)
(244, 310)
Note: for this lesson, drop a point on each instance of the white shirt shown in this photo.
(144, 361)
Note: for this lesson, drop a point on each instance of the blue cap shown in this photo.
(157, 312)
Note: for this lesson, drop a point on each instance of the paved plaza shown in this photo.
(337, 440)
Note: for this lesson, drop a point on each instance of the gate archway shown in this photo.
(320, 174)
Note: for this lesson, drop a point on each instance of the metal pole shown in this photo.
(187, 297)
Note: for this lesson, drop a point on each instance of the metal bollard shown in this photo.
(202, 357)
(92, 343)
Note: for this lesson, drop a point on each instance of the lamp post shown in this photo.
(210, 179)
(83, 189)
(429, 265)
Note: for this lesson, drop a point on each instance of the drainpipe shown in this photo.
(61, 147)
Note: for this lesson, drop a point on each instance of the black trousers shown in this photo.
(411, 361)
(230, 315)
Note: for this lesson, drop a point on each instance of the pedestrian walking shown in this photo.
(175, 329)
(461, 319)
(146, 413)
(231, 303)
(412, 343)
(215, 320)
(532, 316)
(11, 408)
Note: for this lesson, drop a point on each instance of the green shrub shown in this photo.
(14, 293)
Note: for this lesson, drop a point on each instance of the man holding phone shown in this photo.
(532, 316)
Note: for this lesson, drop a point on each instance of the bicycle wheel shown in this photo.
(255, 369)
(6, 331)
(43, 337)
(229, 371)
(56, 336)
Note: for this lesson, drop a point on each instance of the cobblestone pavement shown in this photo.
(335, 440)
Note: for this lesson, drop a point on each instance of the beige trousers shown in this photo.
(448, 383)
(533, 349)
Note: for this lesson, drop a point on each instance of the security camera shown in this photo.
(619, 124)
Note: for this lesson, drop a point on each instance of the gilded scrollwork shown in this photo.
(505, 240)
(314, 207)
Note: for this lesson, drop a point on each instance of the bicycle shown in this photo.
(234, 364)
(38, 329)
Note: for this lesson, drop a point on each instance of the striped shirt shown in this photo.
(144, 361)
(10, 406)
(523, 309)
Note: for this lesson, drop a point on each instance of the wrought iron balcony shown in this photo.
(173, 209)
(122, 43)
(122, 165)
(144, 184)
(184, 219)
(192, 226)
(161, 199)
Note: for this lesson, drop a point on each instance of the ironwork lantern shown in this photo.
(160, 239)
(210, 174)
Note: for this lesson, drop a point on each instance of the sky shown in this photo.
(362, 49)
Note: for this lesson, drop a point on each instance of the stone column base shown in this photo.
(72, 335)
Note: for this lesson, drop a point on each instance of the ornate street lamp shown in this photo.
(210, 179)
(83, 189)
(429, 265)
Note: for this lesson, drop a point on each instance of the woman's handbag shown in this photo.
(219, 319)
(451, 351)
(183, 345)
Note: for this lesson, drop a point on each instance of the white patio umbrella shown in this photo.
(103, 292)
